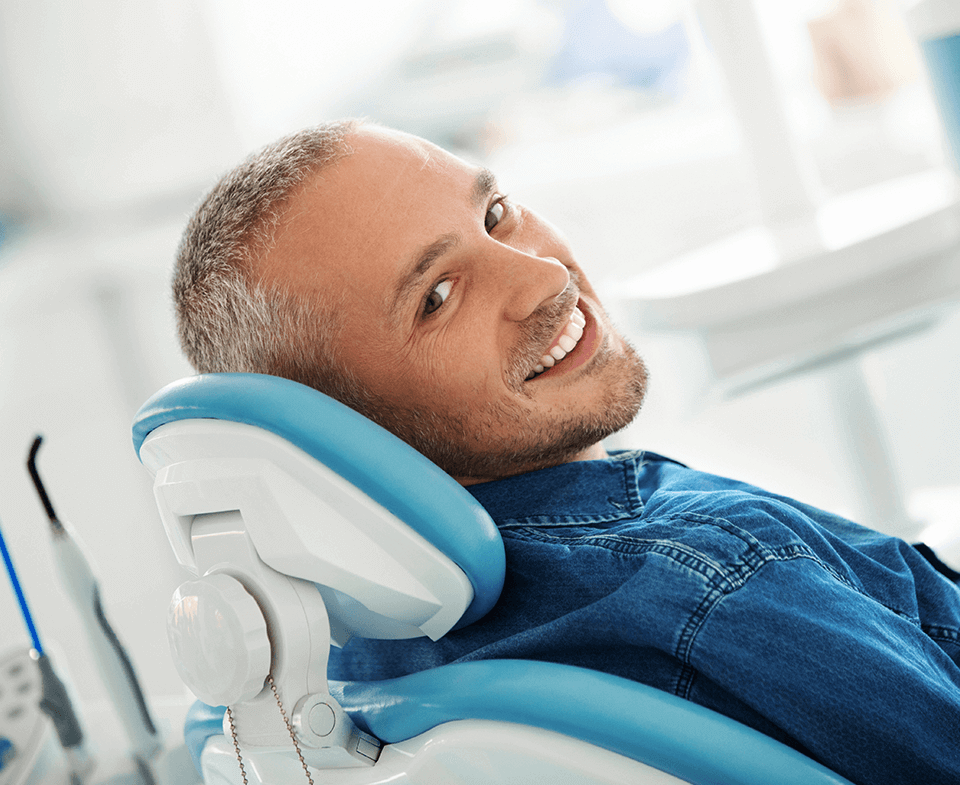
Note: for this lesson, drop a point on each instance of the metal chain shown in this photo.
(236, 746)
(293, 737)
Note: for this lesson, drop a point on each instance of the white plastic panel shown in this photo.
(307, 522)
(469, 752)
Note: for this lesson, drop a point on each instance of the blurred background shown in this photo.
(764, 191)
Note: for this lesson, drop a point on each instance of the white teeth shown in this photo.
(568, 340)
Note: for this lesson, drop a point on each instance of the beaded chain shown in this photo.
(293, 736)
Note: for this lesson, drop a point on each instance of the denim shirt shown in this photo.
(837, 640)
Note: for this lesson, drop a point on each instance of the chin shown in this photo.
(539, 443)
(503, 439)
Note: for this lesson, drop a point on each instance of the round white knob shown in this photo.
(322, 719)
(315, 717)
(218, 638)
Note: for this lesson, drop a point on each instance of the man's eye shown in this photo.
(494, 214)
(437, 297)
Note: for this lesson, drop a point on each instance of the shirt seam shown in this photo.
(632, 509)
(941, 633)
(620, 543)
(714, 595)
(722, 581)
(559, 521)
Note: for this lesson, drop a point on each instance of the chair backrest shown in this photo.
(309, 479)
(368, 485)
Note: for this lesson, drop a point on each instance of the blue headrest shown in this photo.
(387, 469)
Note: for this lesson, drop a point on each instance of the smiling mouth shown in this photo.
(565, 343)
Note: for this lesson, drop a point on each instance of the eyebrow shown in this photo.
(484, 184)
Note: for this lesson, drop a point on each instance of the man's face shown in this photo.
(455, 303)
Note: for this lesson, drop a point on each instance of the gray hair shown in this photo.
(228, 320)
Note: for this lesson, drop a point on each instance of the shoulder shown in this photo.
(719, 507)
(639, 496)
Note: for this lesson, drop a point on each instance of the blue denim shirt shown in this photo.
(839, 641)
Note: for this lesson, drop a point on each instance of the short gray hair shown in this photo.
(228, 319)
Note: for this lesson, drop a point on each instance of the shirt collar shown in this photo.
(569, 494)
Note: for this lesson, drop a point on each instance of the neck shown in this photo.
(595, 452)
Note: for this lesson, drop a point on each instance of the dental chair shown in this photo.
(305, 524)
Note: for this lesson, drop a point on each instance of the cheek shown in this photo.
(463, 366)
(411, 373)
(379, 364)
(448, 369)
(458, 364)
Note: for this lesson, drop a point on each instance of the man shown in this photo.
(435, 301)
(384, 271)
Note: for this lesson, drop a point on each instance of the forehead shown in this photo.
(369, 213)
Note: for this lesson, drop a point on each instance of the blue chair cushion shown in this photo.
(378, 463)
(640, 722)
(202, 722)
(634, 720)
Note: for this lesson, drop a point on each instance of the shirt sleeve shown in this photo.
(862, 687)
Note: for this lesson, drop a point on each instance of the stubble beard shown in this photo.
(459, 442)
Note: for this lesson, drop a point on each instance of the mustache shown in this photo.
(538, 330)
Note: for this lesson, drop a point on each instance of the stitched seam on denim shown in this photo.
(685, 681)
(724, 581)
(627, 463)
(786, 553)
(941, 633)
(562, 520)
(688, 557)
(840, 578)
(727, 582)
(792, 553)
(683, 555)
(756, 555)
(631, 481)
(714, 596)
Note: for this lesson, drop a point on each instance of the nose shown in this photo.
(528, 282)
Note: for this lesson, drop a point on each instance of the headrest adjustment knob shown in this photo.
(218, 638)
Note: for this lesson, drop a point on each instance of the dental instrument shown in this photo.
(115, 667)
(54, 700)
(28, 750)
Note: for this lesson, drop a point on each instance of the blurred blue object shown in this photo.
(943, 62)
(936, 25)
(7, 751)
(597, 42)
